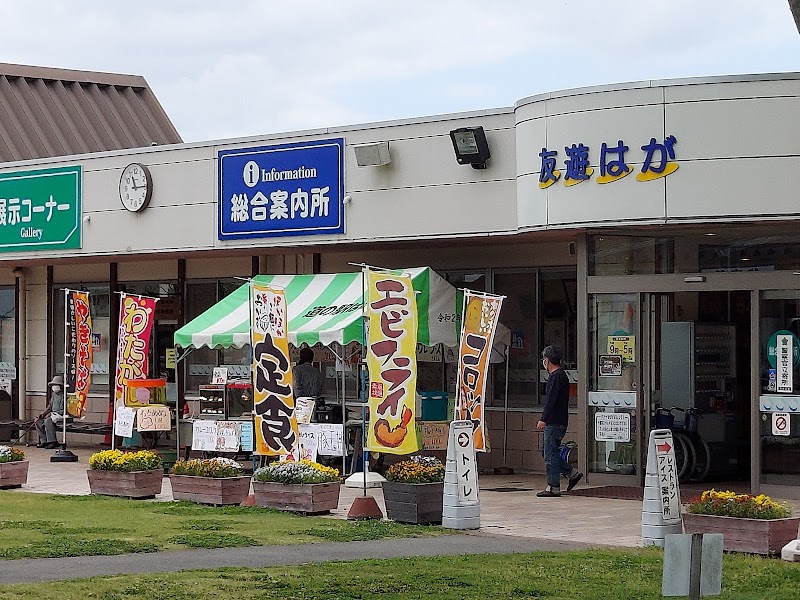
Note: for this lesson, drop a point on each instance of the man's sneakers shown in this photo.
(549, 494)
(573, 481)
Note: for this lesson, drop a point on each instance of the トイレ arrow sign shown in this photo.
(663, 448)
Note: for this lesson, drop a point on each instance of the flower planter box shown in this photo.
(756, 536)
(306, 498)
(136, 484)
(418, 503)
(210, 490)
(13, 474)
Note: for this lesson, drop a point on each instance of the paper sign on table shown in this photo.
(308, 442)
(204, 435)
(153, 418)
(329, 439)
(228, 435)
(123, 425)
(247, 436)
(303, 409)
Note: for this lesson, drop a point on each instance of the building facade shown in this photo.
(650, 229)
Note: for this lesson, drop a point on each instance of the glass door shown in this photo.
(614, 402)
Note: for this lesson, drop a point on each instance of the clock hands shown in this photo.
(133, 183)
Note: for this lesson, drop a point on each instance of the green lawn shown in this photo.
(41, 525)
(612, 574)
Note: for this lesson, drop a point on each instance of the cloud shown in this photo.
(250, 67)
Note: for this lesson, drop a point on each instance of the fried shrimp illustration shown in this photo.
(393, 437)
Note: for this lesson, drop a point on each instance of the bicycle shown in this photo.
(692, 453)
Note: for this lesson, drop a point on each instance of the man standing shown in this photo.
(46, 423)
(554, 420)
(307, 379)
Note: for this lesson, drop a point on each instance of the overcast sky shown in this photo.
(242, 68)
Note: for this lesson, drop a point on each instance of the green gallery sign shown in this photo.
(40, 210)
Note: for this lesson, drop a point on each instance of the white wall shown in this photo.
(738, 150)
(422, 193)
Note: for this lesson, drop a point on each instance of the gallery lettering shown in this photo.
(30, 232)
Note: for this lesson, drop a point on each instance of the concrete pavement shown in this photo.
(592, 521)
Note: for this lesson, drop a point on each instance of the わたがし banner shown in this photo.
(392, 363)
(133, 341)
(275, 420)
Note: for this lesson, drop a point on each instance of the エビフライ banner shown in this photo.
(481, 312)
(275, 421)
(392, 363)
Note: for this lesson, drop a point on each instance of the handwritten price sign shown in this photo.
(153, 418)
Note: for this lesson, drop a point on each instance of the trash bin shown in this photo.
(434, 406)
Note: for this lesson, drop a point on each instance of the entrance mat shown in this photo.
(618, 492)
(507, 489)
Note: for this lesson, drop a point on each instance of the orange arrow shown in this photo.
(665, 447)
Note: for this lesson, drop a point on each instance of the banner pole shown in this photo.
(365, 300)
(114, 405)
(66, 366)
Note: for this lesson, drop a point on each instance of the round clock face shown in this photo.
(135, 187)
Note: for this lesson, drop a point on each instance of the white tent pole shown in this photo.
(505, 410)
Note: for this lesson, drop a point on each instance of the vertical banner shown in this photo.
(79, 351)
(392, 363)
(481, 312)
(275, 420)
(133, 340)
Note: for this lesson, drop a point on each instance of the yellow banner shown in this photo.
(477, 335)
(392, 363)
(276, 431)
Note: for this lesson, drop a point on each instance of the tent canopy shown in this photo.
(325, 309)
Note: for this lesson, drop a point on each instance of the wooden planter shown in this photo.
(306, 498)
(136, 484)
(756, 536)
(418, 503)
(13, 474)
(210, 490)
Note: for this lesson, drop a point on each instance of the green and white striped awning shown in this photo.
(324, 309)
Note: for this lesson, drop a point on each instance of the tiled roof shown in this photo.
(54, 112)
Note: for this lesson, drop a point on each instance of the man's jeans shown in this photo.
(553, 434)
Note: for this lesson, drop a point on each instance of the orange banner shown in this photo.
(478, 325)
(276, 430)
(133, 341)
(392, 362)
(79, 321)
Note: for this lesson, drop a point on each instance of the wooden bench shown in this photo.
(73, 426)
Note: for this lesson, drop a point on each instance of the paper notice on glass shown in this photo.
(308, 441)
(329, 439)
(123, 423)
(153, 418)
(228, 435)
(247, 436)
(303, 409)
(204, 435)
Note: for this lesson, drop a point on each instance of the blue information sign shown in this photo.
(288, 189)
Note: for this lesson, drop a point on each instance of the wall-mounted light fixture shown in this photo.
(694, 279)
(470, 146)
(375, 154)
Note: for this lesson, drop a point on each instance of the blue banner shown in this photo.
(288, 189)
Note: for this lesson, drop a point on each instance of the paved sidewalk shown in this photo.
(54, 569)
(597, 521)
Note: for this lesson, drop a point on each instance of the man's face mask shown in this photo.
(56, 388)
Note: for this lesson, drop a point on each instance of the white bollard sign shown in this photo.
(668, 479)
(466, 465)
